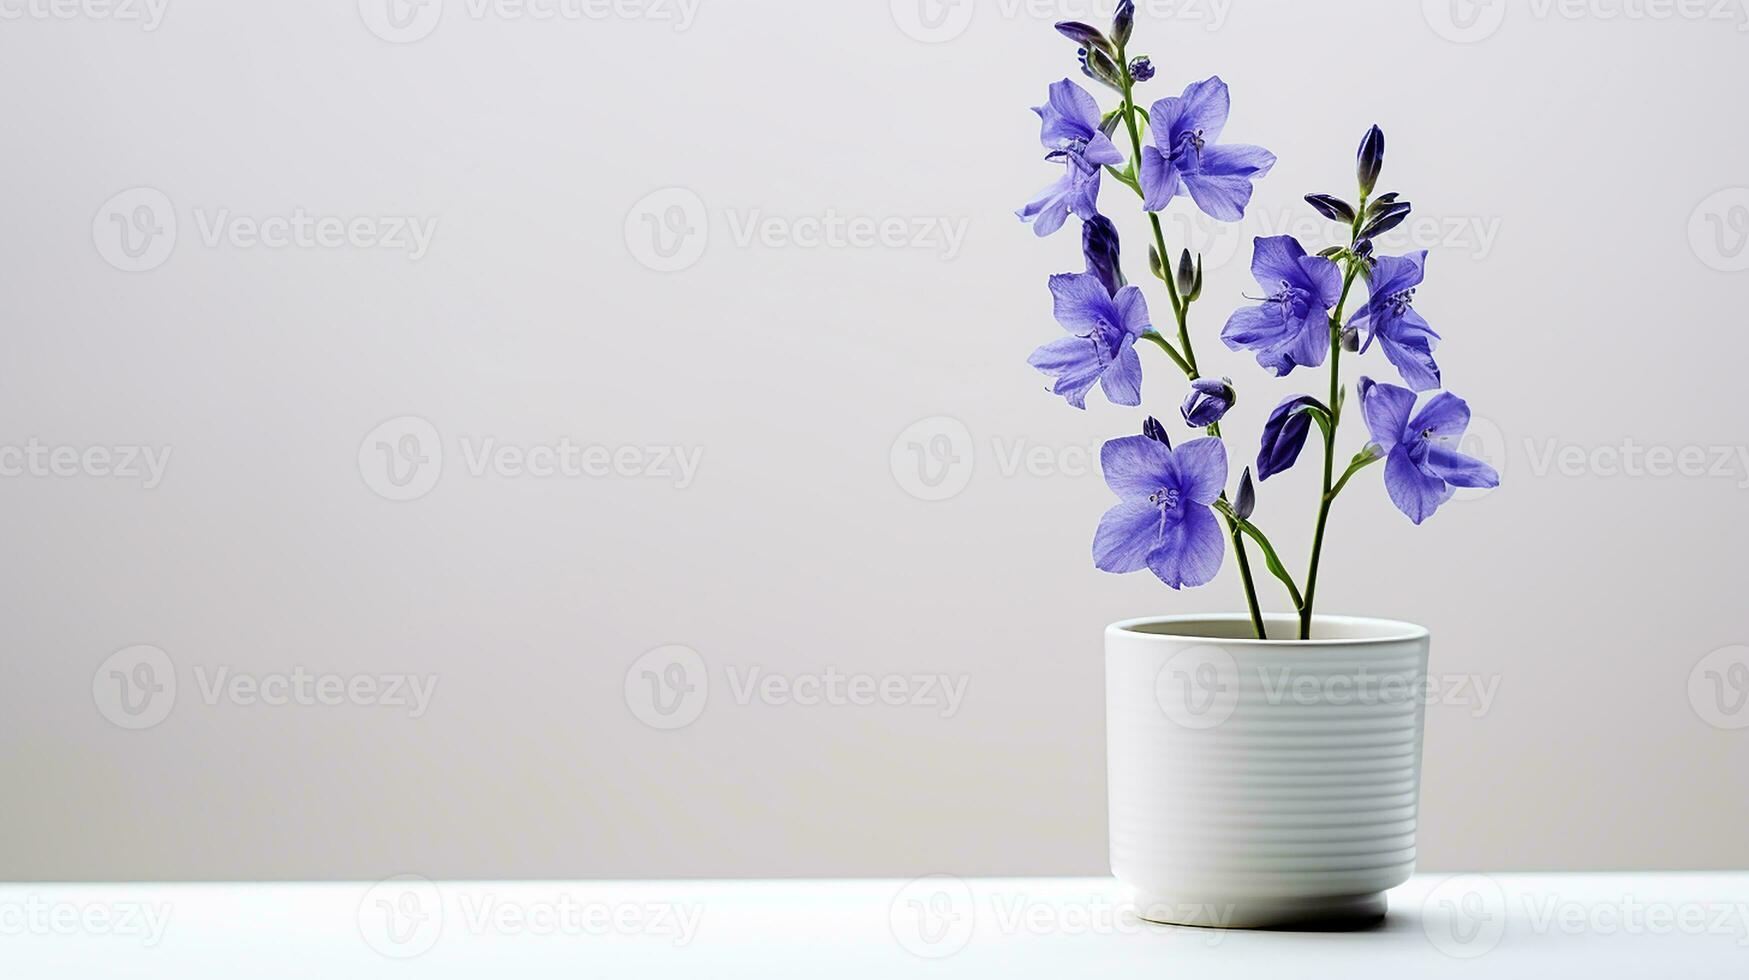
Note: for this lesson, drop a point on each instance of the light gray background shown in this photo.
(1573, 152)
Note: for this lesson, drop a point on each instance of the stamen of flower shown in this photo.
(1165, 498)
(1400, 302)
(1187, 143)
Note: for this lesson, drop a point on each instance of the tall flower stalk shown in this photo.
(1170, 497)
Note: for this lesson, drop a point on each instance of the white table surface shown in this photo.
(1685, 926)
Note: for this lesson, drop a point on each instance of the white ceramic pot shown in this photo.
(1257, 784)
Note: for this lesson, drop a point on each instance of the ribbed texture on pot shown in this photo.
(1264, 772)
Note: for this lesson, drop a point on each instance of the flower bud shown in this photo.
(1384, 219)
(1085, 35)
(1210, 399)
(1100, 244)
(1371, 159)
(1186, 274)
(1156, 265)
(1331, 207)
(1124, 22)
(1097, 65)
(1351, 339)
(1157, 432)
(1141, 69)
(1246, 503)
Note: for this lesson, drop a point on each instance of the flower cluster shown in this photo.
(1175, 515)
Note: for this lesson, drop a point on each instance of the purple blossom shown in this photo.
(1186, 155)
(1070, 131)
(1284, 435)
(1407, 340)
(1422, 464)
(1164, 523)
(1102, 346)
(1209, 401)
(1292, 327)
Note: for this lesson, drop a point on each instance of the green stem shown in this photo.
(1335, 405)
(1273, 560)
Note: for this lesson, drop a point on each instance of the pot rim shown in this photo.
(1378, 631)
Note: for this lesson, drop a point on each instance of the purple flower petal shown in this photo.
(1444, 419)
(1122, 380)
(1050, 209)
(1253, 327)
(1204, 106)
(1190, 551)
(1081, 302)
(1412, 359)
(1276, 260)
(1202, 470)
(1222, 197)
(1137, 466)
(1075, 364)
(1127, 534)
(1160, 183)
(1387, 409)
(1415, 493)
(1132, 311)
(1459, 470)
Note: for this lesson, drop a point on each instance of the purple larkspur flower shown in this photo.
(1389, 317)
(1102, 343)
(1070, 131)
(1422, 464)
(1292, 327)
(1164, 523)
(1209, 401)
(1187, 155)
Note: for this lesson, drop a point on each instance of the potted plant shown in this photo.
(1264, 770)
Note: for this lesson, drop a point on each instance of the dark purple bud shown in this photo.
(1124, 23)
(1209, 401)
(1246, 503)
(1351, 339)
(1284, 435)
(1371, 159)
(1141, 69)
(1390, 217)
(1157, 432)
(1186, 274)
(1085, 35)
(1156, 265)
(1100, 244)
(1381, 202)
(1334, 208)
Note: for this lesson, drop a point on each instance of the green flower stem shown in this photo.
(1185, 353)
(1331, 487)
